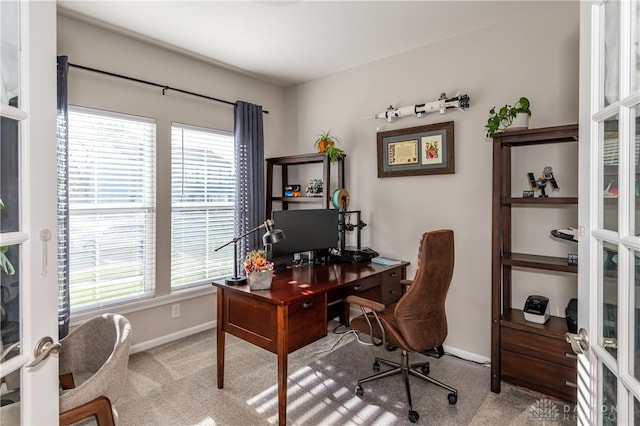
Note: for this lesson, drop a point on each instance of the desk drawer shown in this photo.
(366, 287)
(307, 322)
(391, 289)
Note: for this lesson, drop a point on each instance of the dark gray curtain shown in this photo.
(250, 185)
(64, 309)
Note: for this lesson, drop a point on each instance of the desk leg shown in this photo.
(283, 344)
(220, 335)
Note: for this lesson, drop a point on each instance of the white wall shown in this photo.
(91, 46)
(493, 66)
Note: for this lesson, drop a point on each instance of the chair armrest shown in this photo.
(370, 304)
(405, 285)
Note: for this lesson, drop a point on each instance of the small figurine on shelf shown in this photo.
(315, 188)
(541, 183)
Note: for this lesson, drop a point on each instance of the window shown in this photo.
(112, 199)
(203, 201)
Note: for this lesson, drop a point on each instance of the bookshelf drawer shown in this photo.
(540, 375)
(538, 346)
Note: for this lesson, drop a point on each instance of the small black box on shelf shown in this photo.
(528, 194)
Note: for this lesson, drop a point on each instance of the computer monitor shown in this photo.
(305, 230)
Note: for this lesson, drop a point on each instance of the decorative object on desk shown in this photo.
(541, 183)
(528, 194)
(513, 117)
(422, 150)
(315, 188)
(536, 309)
(292, 191)
(459, 102)
(259, 271)
(272, 236)
(572, 259)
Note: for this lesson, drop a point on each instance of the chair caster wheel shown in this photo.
(425, 370)
(359, 391)
(453, 398)
(413, 416)
(376, 366)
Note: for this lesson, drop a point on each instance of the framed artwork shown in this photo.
(422, 150)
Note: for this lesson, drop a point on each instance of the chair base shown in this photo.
(420, 370)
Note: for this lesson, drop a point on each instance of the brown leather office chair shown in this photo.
(417, 322)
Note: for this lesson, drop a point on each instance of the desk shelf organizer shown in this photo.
(532, 355)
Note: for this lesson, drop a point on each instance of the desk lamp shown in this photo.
(272, 236)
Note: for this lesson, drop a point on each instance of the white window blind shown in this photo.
(202, 200)
(112, 199)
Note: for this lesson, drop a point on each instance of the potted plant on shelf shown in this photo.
(514, 117)
(326, 143)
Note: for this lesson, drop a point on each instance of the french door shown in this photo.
(609, 214)
(28, 273)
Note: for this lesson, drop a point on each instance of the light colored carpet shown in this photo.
(175, 384)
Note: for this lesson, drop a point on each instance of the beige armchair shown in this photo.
(93, 365)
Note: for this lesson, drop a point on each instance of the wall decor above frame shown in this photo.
(422, 150)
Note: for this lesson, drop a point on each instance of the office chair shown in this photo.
(93, 365)
(417, 321)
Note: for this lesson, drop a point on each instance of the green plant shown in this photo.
(334, 153)
(5, 264)
(501, 119)
(325, 138)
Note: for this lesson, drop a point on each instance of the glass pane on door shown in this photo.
(635, 128)
(609, 397)
(611, 55)
(10, 52)
(610, 162)
(634, 358)
(635, 46)
(609, 299)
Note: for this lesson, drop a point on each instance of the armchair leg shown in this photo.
(99, 407)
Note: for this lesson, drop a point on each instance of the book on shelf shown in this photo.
(385, 261)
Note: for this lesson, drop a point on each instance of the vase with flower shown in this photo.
(259, 270)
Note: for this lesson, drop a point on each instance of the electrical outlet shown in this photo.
(175, 310)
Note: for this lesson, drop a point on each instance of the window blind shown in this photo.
(202, 201)
(112, 198)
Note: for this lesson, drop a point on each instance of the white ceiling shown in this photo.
(288, 42)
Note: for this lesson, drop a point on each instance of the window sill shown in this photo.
(143, 304)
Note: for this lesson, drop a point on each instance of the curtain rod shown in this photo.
(163, 86)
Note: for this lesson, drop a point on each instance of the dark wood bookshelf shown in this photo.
(520, 347)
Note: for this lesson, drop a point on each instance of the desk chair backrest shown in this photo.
(420, 312)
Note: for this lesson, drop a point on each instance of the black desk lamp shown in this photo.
(272, 236)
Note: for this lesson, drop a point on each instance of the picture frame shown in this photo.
(414, 151)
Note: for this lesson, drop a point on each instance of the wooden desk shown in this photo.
(293, 313)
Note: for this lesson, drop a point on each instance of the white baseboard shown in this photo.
(469, 356)
(143, 346)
